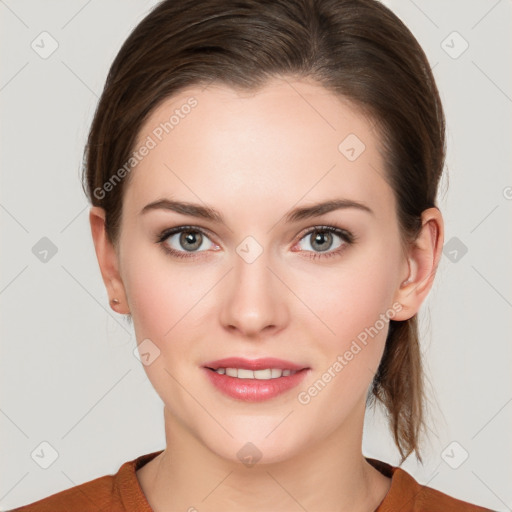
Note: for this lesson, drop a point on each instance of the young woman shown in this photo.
(263, 179)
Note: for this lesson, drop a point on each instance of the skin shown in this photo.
(254, 157)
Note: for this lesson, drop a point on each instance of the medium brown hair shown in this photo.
(357, 49)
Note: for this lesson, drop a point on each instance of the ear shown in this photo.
(423, 258)
(108, 261)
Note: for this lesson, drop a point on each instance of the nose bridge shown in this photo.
(251, 268)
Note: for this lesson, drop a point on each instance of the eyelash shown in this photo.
(346, 236)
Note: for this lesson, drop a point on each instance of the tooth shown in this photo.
(263, 374)
(266, 374)
(245, 374)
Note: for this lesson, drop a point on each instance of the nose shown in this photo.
(254, 301)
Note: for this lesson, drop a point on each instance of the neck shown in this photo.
(330, 474)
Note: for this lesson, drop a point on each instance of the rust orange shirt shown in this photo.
(122, 493)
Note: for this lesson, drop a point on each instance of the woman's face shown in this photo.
(260, 284)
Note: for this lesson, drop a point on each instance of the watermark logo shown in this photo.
(454, 455)
(249, 454)
(455, 249)
(146, 352)
(44, 455)
(351, 147)
(454, 45)
(44, 45)
(249, 249)
(44, 250)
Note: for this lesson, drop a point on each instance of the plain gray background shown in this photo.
(68, 374)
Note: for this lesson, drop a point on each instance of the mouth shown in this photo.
(254, 380)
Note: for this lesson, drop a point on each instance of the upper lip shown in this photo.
(253, 364)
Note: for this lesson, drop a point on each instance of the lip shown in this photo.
(254, 364)
(254, 390)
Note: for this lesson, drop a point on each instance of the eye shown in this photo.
(184, 239)
(322, 241)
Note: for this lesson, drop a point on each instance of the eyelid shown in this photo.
(332, 228)
(166, 233)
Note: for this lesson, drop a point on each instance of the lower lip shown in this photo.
(254, 390)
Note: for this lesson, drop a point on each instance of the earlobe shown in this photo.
(423, 260)
(108, 261)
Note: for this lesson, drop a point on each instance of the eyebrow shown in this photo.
(295, 215)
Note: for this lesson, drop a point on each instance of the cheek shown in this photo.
(160, 299)
(351, 356)
(354, 303)
(156, 289)
(354, 294)
(169, 302)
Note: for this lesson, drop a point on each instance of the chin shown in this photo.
(258, 447)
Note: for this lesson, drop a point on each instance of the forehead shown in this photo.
(290, 142)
